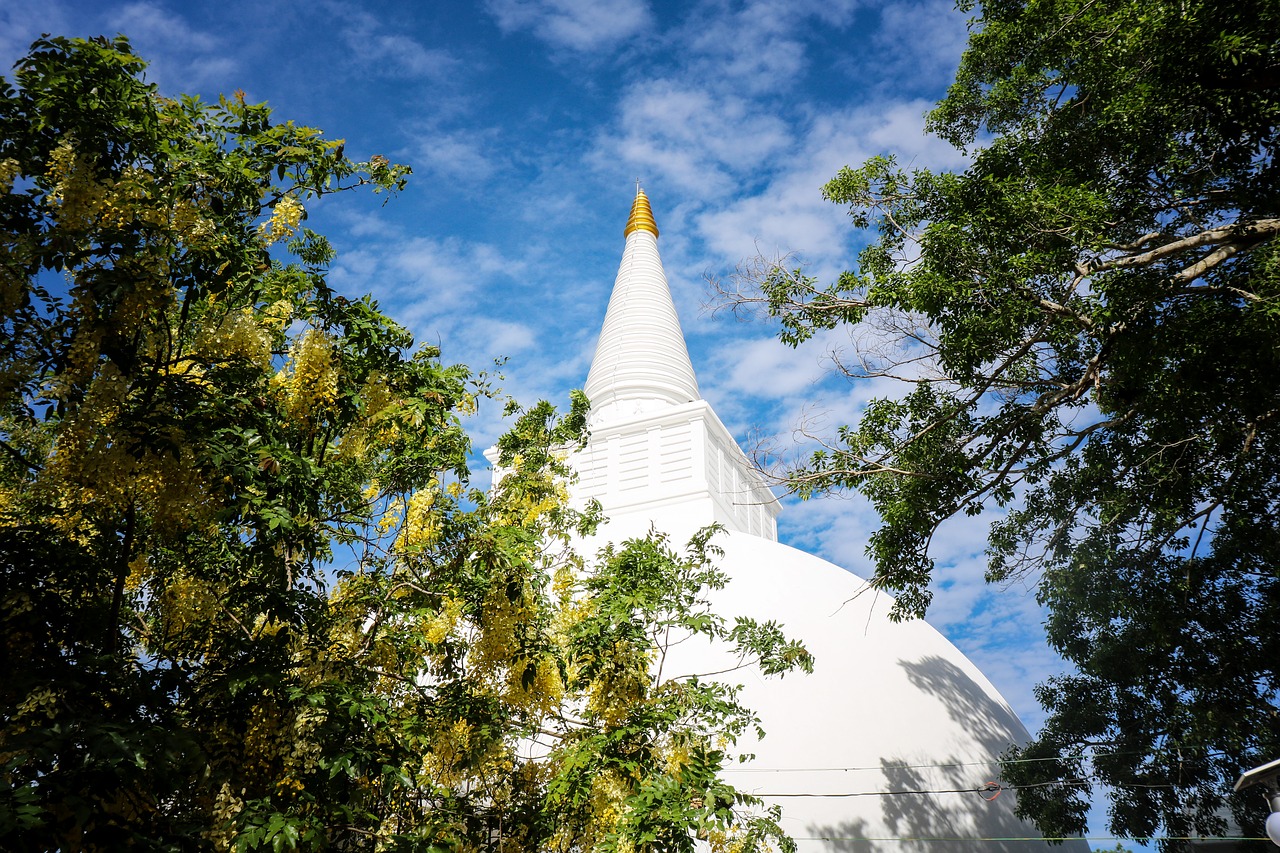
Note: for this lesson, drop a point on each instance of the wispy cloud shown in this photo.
(703, 142)
(23, 21)
(579, 25)
(385, 52)
(789, 215)
(758, 46)
(919, 41)
(150, 21)
(182, 57)
(429, 284)
(504, 335)
(463, 157)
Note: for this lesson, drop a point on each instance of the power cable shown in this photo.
(989, 791)
(992, 761)
(986, 839)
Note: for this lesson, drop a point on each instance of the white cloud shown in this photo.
(376, 49)
(23, 21)
(758, 47)
(920, 42)
(579, 25)
(426, 283)
(181, 57)
(446, 272)
(397, 54)
(767, 367)
(149, 21)
(502, 336)
(703, 142)
(462, 156)
(789, 214)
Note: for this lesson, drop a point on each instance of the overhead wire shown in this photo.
(993, 788)
(987, 839)
(988, 763)
(989, 792)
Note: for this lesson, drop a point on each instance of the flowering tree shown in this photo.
(249, 597)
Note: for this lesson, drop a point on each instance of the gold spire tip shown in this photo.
(641, 218)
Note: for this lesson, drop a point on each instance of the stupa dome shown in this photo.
(892, 744)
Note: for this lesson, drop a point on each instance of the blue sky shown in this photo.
(527, 123)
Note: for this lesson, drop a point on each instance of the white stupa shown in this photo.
(891, 708)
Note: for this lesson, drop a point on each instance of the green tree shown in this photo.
(1085, 320)
(249, 597)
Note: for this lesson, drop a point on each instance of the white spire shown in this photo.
(657, 454)
(641, 362)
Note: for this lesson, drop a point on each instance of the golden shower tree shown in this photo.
(249, 597)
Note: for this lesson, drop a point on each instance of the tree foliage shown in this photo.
(1086, 321)
(249, 597)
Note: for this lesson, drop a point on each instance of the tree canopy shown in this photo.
(250, 598)
(1085, 320)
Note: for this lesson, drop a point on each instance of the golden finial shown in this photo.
(641, 218)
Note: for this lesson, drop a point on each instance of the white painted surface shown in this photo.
(641, 362)
(889, 707)
(677, 466)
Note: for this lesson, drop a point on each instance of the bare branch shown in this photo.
(1235, 234)
(1207, 263)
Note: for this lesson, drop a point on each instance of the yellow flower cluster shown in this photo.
(374, 429)
(494, 651)
(226, 805)
(543, 695)
(500, 620)
(609, 792)
(263, 738)
(9, 169)
(189, 604)
(439, 627)
(302, 754)
(527, 500)
(82, 201)
(311, 386)
(344, 640)
(234, 335)
(721, 841)
(445, 763)
(376, 396)
(279, 748)
(139, 573)
(77, 196)
(563, 582)
(536, 510)
(284, 220)
(421, 521)
(392, 515)
(131, 198)
(84, 351)
(622, 684)
(675, 758)
(93, 467)
(278, 315)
